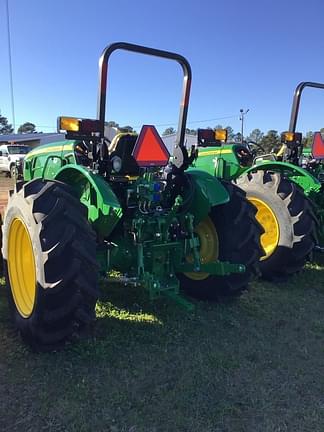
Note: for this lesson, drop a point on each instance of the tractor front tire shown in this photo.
(288, 219)
(13, 171)
(49, 263)
(233, 235)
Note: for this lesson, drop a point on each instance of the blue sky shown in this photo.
(244, 54)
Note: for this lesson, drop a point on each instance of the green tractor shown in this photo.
(309, 160)
(88, 206)
(279, 189)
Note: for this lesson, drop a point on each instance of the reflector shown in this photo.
(318, 146)
(149, 149)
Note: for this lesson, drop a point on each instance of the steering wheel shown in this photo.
(251, 144)
(244, 155)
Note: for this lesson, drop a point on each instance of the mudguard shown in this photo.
(298, 175)
(104, 209)
(209, 192)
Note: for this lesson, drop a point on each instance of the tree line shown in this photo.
(7, 129)
(269, 141)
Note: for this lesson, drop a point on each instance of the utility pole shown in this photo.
(10, 70)
(242, 114)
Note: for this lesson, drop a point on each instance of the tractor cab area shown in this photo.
(229, 160)
(133, 165)
(309, 159)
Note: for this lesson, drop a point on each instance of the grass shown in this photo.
(253, 364)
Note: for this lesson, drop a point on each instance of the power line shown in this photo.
(10, 69)
(54, 127)
(161, 124)
(194, 121)
(213, 119)
(45, 127)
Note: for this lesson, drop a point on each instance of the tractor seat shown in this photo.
(122, 146)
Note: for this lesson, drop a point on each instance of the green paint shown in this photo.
(208, 192)
(221, 162)
(144, 233)
(104, 209)
(298, 175)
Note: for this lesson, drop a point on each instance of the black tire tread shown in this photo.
(239, 243)
(289, 259)
(64, 306)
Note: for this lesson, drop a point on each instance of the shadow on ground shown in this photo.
(254, 364)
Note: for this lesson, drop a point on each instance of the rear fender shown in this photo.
(104, 209)
(298, 175)
(208, 192)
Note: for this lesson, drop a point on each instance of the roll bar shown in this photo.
(296, 101)
(103, 71)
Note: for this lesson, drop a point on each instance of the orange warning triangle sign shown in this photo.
(149, 149)
(318, 146)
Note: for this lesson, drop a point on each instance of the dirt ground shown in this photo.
(6, 184)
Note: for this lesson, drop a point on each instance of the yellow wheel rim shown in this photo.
(208, 247)
(21, 268)
(267, 219)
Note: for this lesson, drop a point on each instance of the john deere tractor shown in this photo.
(308, 161)
(87, 206)
(280, 192)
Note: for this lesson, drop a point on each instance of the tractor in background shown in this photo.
(308, 161)
(89, 206)
(280, 191)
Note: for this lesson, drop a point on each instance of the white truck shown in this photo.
(10, 155)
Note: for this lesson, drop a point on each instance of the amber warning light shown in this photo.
(149, 149)
(77, 126)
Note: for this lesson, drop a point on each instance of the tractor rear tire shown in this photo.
(49, 251)
(237, 235)
(284, 202)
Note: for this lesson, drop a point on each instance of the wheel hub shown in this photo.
(267, 219)
(209, 247)
(21, 268)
